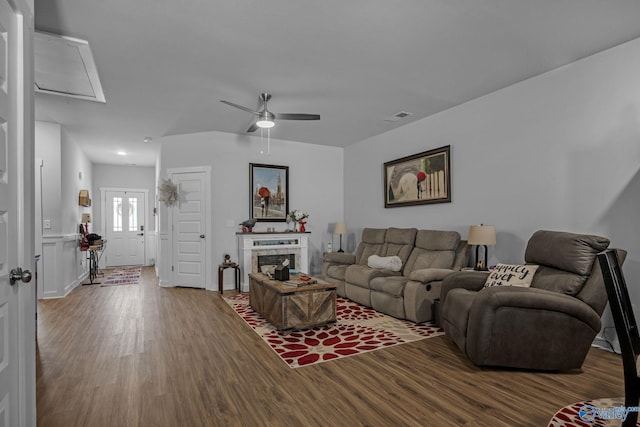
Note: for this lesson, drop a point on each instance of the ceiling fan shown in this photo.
(266, 119)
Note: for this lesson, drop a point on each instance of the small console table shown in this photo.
(94, 253)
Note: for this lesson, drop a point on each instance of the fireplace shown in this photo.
(258, 249)
(274, 260)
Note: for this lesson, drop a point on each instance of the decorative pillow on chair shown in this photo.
(511, 275)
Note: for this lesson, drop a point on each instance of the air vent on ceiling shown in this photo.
(397, 116)
(64, 66)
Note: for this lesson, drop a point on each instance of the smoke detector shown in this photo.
(398, 116)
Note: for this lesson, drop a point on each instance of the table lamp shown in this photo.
(340, 228)
(482, 235)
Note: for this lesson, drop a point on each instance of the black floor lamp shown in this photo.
(340, 228)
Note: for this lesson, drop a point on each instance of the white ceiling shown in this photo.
(165, 65)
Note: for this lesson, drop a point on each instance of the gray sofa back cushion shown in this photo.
(433, 249)
(437, 240)
(399, 242)
(565, 259)
(371, 244)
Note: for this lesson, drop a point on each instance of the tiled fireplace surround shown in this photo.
(256, 249)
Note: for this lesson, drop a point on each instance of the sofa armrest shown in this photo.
(426, 275)
(339, 258)
(489, 300)
(470, 280)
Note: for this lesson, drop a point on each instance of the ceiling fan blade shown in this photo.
(249, 110)
(252, 128)
(297, 116)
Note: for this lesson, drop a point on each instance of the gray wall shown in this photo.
(48, 168)
(61, 171)
(65, 171)
(559, 151)
(315, 184)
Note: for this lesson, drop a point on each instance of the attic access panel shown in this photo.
(65, 66)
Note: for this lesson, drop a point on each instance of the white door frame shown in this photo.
(24, 222)
(208, 241)
(103, 217)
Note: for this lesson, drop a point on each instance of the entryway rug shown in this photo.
(358, 330)
(590, 413)
(123, 276)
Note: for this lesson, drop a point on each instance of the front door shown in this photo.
(189, 230)
(125, 228)
(17, 298)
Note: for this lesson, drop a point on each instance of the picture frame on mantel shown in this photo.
(420, 179)
(268, 192)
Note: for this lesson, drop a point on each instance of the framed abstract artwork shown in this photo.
(419, 179)
(269, 192)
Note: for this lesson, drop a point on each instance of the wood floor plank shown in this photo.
(142, 355)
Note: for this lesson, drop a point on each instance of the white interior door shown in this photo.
(125, 228)
(16, 225)
(189, 230)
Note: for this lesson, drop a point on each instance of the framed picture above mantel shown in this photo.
(268, 192)
(420, 179)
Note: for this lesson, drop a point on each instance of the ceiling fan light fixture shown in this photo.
(265, 123)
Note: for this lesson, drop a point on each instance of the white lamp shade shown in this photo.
(340, 228)
(482, 235)
(85, 218)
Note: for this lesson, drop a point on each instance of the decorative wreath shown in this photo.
(168, 192)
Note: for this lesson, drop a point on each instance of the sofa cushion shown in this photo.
(361, 275)
(437, 240)
(433, 249)
(393, 263)
(401, 236)
(371, 244)
(374, 235)
(399, 242)
(389, 285)
(423, 258)
(570, 252)
(511, 275)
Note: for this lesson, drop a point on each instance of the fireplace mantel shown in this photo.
(252, 244)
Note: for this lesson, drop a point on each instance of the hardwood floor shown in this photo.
(141, 355)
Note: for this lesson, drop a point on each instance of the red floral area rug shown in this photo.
(123, 276)
(358, 330)
(591, 413)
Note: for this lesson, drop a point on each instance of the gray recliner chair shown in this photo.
(548, 326)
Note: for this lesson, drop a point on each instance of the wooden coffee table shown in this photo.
(290, 307)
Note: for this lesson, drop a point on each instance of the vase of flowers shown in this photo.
(297, 217)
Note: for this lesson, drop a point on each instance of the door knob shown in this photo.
(18, 274)
(202, 236)
(140, 234)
